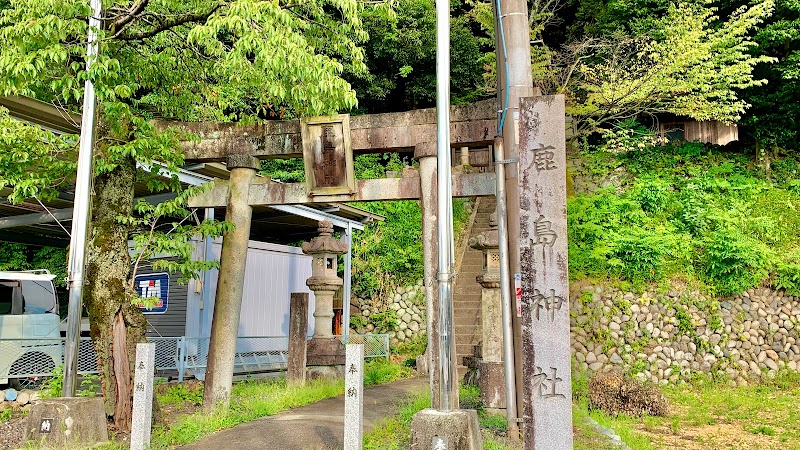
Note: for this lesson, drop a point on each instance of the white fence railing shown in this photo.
(25, 358)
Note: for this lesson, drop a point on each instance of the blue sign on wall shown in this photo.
(154, 288)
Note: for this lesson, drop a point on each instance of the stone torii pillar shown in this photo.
(228, 303)
(425, 153)
(492, 377)
(324, 349)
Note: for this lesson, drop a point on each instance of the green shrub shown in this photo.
(787, 276)
(735, 262)
(653, 193)
(386, 320)
(689, 210)
(413, 347)
(648, 254)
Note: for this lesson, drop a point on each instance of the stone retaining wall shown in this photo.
(401, 314)
(666, 337)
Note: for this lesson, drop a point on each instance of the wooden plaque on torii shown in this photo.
(328, 155)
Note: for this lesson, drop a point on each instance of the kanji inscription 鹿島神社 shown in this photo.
(547, 408)
(545, 306)
(544, 158)
(543, 233)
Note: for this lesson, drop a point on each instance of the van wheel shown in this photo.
(31, 362)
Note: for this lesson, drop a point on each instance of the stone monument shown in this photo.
(354, 398)
(547, 394)
(69, 422)
(298, 331)
(143, 396)
(492, 377)
(324, 349)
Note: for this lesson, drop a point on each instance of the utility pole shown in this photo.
(514, 81)
(80, 215)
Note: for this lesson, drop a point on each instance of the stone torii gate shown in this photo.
(327, 145)
(242, 147)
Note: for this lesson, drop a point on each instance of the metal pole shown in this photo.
(80, 215)
(515, 81)
(348, 266)
(505, 290)
(444, 202)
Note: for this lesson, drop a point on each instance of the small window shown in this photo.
(39, 297)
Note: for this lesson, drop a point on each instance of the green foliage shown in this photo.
(469, 397)
(380, 371)
(23, 257)
(386, 320)
(735, 262)
(763, 429)
(180, 394)
(776, 106)
(648, 254)
(688, 210)
(389, 253)
(681, 58)
(402, 55)
(412, 348)
(5, 414)
(286, 170)
(53, 385)
(787, 276)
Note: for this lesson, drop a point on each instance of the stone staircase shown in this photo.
(467, 292)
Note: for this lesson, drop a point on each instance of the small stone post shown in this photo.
(324, 349)
(547, 399)
(298, 329)
(143, 396)
(492, 377)
(354, 397)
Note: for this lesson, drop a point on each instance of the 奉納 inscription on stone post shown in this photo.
(354, 397)
(547, 400)
(143, 396)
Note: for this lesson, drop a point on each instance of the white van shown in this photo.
(30, 345)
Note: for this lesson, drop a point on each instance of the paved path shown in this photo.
(318, 426)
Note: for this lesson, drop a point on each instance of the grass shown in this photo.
(253, 399)
(380, 371)
(249, 400)
(394, 433)
(713, 415)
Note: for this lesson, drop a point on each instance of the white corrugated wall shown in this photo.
(273, 272)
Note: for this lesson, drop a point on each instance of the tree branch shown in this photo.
(137, 7)
(167, 25)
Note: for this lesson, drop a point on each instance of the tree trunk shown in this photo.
(117, 325)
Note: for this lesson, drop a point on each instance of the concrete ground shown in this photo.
(319, 426)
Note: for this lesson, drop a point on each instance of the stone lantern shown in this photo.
(324, 280)
(492, 378)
